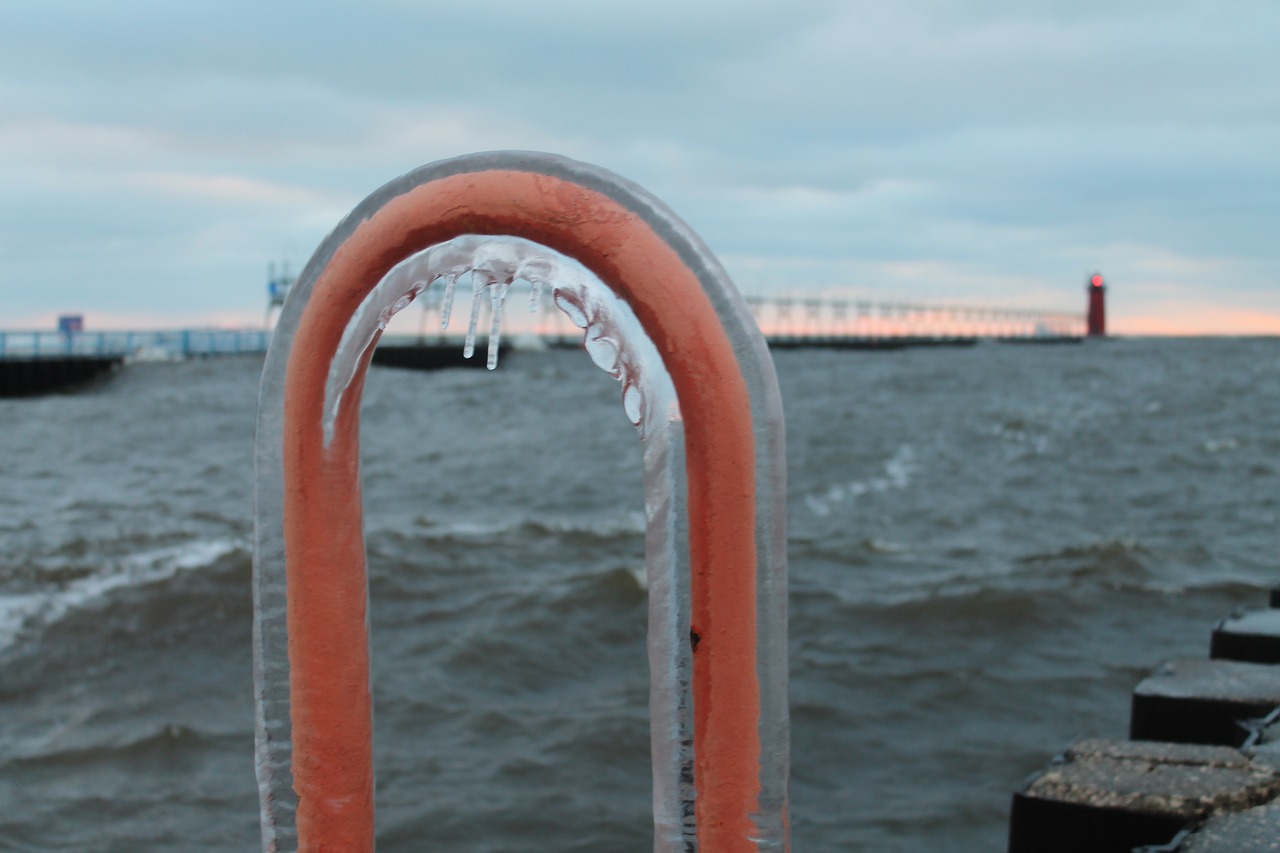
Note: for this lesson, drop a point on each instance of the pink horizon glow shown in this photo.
(1191, 321)
(1203, 320)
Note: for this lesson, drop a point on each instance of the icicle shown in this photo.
(446, 302)
(478, 283)
(536, 270)
(497, 296)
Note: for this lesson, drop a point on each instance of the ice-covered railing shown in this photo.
(658, 313)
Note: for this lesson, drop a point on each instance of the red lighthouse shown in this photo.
(1097, 320)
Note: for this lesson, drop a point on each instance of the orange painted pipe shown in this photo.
(328, 652)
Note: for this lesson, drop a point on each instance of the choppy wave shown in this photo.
(29, 612)
(161, 739)
(630, 523)
(896, 475)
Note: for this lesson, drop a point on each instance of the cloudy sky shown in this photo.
(156, 156)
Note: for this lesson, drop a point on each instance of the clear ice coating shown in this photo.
(612, 335)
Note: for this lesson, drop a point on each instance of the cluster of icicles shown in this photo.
(612, 336)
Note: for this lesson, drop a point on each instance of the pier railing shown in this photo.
(798, 318)
(184, 343)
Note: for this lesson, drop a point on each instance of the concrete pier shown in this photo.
(1201, 773)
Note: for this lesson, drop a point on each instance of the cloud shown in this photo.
(222, 188)
(997, 149)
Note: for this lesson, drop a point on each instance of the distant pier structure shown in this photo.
(1096, 322)
(837, 323)
(37, 362)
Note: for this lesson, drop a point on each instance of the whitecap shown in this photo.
(23, 612)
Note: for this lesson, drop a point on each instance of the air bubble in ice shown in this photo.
(571, 309)
(633, 403)
(603, 352)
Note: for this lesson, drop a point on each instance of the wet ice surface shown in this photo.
(611, 334)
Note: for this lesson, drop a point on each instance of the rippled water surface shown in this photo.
(989, 547)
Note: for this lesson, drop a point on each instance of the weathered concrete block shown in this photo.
(1106, 796)
(1248, 635)
(1254, 831)
(1203, 701)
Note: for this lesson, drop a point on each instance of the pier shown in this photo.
(841, 323)
(41, 362)
(36, 362)
(151, 345)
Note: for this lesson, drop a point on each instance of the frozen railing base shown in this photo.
(658, 313)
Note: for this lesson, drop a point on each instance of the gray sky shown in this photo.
(156, 156)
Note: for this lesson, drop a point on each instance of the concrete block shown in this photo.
(1203, 701)
(1248, 635)
(1108, 796)
(1254, 831)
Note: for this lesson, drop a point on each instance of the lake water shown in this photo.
(989, 547)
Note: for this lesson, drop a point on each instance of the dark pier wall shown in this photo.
(29, 377)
